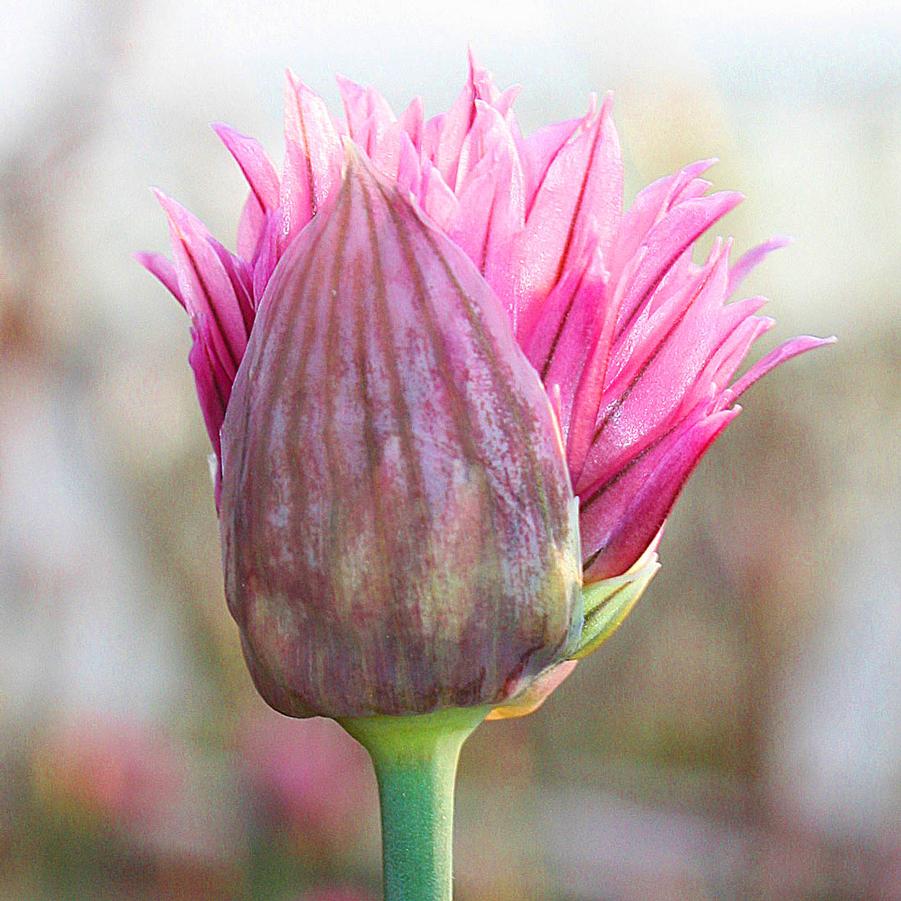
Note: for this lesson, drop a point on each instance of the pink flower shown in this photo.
(635, 343)
(313, 779)
(120, 772)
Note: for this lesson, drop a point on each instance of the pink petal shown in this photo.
(263, 181)
(411, 120)
(579, 202)
(667, 241)
(368, 114)
(312, 159)
(588, 395)
(657, 323)
(205, 285)
(265, 259)
(436, 198)
(159, 265)
(661, 376)
(443, 135)
(620, 517)
(753, 258)
(735, 344)
(651, 204)
(396, 146)
(491, 202)
(777, 357)
(251, 157)
(539, 150)
(409, 172)
(239, 275)
(580, 290)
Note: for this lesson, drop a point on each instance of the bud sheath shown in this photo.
(397, 516)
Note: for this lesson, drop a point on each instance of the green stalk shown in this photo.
(415, 760)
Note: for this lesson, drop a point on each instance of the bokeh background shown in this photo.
(740, 737)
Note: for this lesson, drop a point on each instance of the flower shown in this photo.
(117, 772)
(456, 219)
(312, 781)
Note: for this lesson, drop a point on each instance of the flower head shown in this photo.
(368, 365)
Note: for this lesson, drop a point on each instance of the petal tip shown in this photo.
(226, 133)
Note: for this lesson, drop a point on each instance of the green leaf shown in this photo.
(609, 602)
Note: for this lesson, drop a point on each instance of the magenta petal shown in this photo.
(161, 266)
(667, 241)
(254, 163)
(213, 391)
(262, 180)
(491, 200)
(753, 258)
(312, 158)
(776, 358)
(629, 335)
(620, 517)
(579, 203)
(368, 114)
(205, 285)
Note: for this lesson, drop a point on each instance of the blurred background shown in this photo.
(740, 737)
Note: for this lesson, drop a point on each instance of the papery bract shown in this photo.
(398, 526)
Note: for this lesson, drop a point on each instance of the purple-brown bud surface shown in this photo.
(399, 530)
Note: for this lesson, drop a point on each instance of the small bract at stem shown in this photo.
(415, 760)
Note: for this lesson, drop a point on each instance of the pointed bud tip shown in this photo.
(359, 170)
(357, 164)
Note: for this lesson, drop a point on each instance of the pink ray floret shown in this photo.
(638, 344)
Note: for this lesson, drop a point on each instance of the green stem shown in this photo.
(415, 760)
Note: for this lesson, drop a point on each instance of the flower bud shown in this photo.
(395, 470)
(399, 531)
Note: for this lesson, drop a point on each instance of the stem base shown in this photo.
(415, 760)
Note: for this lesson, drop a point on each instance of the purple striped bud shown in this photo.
(399, 530)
